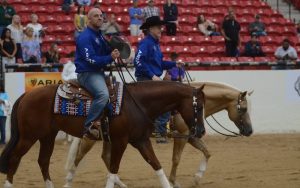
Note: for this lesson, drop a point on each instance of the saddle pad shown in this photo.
(81, 107)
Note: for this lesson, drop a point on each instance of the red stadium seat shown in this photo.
(182, 50)
(269, 50)
(210, 59)
(228, 59)
(192, 59)
(67, 40)
(49, 39)
(263, 59)
(245, 59)
(166, 49)
(218, 40)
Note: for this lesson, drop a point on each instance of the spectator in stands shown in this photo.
(257, 27)
(17, 34)
(111, 27)
(8, 47)
(231, 32)
(298, 28)
(207, 27)
(4, 110)
(171, 16)
(30, 47)
(52, 56)
(38, 29)
(6, 14)
(66, 6)
(150, 10)
(286, 52)
(80, 21)
(84, 2)
(97, 4)
(253, 47)
(136, 19)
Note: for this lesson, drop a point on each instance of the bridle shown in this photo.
(194, 130)
(240, 120)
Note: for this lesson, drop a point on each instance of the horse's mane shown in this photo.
(219, 84)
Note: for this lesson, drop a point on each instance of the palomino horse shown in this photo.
(218, 97)
(33, 120)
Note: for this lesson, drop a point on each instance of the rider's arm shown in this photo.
(87, 51)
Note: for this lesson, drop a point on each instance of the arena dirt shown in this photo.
(260, 161)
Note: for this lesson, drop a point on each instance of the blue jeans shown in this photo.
(94, 82)
(2, 129)
(160, 123)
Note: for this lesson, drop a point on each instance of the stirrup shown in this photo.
(93, 132)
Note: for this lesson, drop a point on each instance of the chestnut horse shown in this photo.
(218, 97)
(33, 120)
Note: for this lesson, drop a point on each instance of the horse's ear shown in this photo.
(250, 92)
(201, 87)
(243, 95)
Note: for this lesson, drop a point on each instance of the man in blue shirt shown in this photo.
(149, 62)
(92, 55)
(136, 19)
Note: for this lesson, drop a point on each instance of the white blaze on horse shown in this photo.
(218, 97)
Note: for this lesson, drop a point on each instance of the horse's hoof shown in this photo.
(7, 184)
(67, 185)
(176, 185)
(198, 177)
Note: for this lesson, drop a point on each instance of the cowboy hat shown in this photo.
(124, 48)
(152, 21)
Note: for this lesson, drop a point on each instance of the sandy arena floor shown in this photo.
(261, 161)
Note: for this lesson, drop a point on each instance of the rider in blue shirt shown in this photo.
(92, 55)
(149, 63)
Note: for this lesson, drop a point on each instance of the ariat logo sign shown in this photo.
(35, 80)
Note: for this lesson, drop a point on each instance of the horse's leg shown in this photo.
(179, 144)
(46, 150)
(20, 150)
(200, 145)
(79, 148)
(146, 150)
(106, 154)
(117, 150)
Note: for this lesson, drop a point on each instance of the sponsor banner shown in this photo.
(37, 79)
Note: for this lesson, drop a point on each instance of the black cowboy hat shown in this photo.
(152, 21)
(124, 48)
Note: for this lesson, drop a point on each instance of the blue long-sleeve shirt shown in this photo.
(92, 52)
(149, 59)
(132, 12)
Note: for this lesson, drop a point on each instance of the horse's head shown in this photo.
(238, 112)
(191, 110)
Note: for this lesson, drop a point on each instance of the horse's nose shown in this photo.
(250, 132)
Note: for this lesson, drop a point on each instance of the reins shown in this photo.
(234, 134)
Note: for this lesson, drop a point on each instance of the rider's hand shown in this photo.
(156, 78)
(180, 64)
(115, 54)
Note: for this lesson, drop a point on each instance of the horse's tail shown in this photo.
(5, 155)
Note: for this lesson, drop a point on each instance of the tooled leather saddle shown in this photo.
(72, 99)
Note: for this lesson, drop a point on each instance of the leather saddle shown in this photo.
(74, 91)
